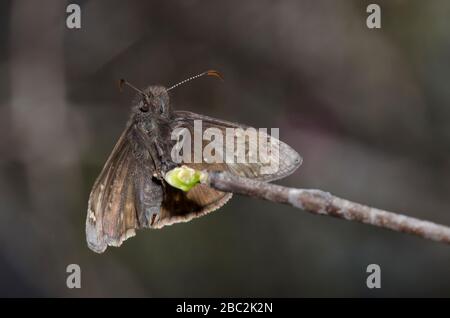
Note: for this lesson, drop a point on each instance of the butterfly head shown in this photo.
(155, 101)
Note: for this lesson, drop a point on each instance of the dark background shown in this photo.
(367, 109)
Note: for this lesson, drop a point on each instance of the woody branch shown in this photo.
(323, 203)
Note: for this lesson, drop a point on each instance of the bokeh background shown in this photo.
(368, 110)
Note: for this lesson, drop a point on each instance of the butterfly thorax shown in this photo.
(149, 133)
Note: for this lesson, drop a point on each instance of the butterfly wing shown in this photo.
(179, 206)
(287, 158)
(124, 198)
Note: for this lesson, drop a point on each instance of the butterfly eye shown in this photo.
(143, 106)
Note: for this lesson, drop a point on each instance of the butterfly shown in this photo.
(130, 193)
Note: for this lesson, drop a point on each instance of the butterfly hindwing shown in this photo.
(179, 206)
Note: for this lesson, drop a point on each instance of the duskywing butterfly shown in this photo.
(130, 193)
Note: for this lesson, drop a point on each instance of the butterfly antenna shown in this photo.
(146, 104)
(123, 82)
(207, 73)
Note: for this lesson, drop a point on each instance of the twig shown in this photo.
(324, 203)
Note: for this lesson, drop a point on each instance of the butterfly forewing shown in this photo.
(106, 198)
(124, 197)
(288, 159)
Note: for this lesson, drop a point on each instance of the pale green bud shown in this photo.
(184, 178)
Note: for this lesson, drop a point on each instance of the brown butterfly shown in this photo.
(130, 193)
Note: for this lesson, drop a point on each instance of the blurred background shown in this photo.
(367, 109)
